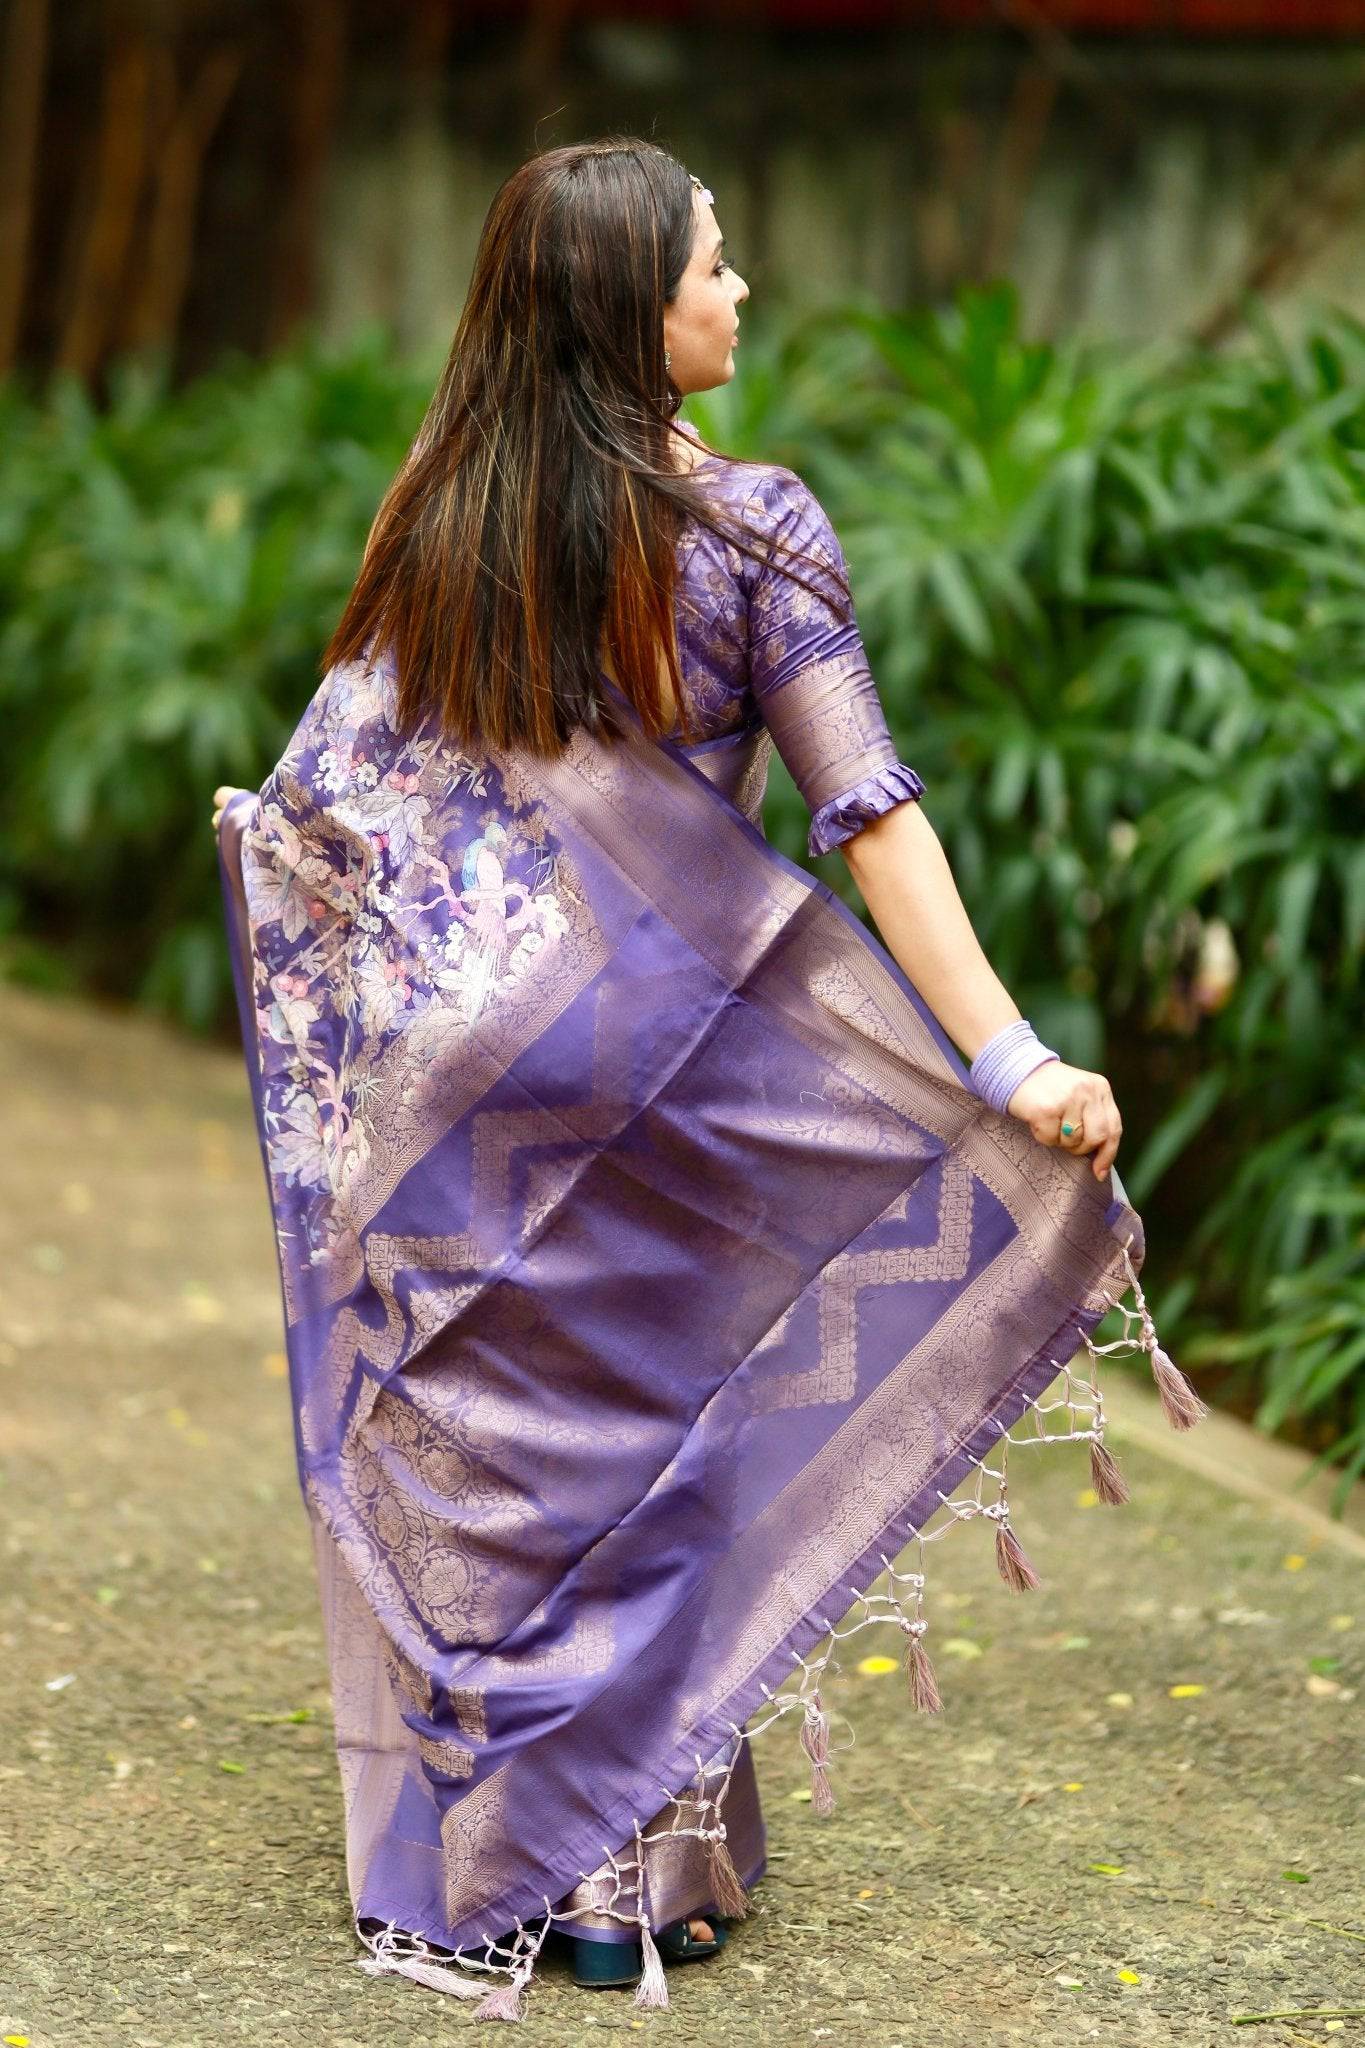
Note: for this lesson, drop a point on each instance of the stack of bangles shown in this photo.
(1003, 1062)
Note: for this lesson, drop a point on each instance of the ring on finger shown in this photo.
(1071, 1130)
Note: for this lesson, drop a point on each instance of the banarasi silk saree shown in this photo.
(656, 1288)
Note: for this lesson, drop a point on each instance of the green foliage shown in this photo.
(1115, 602)
(170, 568)
(1295, 1204)
(1113, 599)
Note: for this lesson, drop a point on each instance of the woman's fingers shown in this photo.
(1101, 1127)
(1096, 1126)
(221, 798)
(1111, 1130)
(1055, 1094)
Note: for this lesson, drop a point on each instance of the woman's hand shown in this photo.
(222, 796)
(1056, 1094)
(899, 865)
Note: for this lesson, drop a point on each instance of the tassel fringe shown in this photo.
(502, 2004)
(1012, 1562)
(924, 1693)
(652, 1989)
(732, 1901)
(1105, 1476)
(396, 1953)
(814, 1739)
(431, 1974)
(1182, 1408)
(1181, 1405)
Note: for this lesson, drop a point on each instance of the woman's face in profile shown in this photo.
(700, 325)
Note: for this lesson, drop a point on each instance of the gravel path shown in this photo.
(1071, 1852)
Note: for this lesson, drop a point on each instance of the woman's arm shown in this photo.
(809, 673)
(902, 871)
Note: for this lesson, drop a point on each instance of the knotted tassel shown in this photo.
(502, 2004)
(505, 2003)
(652, 1988)
(431, 1974)
(1105, 1476)
(924, 1696)
(814, 1739)
(1013, 1565)
(1182, 1406)
(418, 1960)
(732, 1901)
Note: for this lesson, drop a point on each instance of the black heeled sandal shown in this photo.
(598, 1964)
(678, 1944)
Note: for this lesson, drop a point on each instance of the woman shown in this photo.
(653, 1267)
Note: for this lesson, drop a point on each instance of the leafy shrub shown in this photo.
(1114, 600)
(169, 570)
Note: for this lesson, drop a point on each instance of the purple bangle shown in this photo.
(1004, 1060)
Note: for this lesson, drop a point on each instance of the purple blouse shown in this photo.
(757, 648)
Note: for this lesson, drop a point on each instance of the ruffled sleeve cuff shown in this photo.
(847, 814)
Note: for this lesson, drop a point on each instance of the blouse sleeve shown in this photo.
(810, 676)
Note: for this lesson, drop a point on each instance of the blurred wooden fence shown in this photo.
(193, 175)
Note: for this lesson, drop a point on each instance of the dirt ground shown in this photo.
(1138, 1819)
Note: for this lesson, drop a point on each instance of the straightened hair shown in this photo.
(532, 530)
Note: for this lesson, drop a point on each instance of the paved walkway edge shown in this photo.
(1233, 1455)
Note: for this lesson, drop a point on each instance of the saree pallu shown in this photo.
(652, 1278)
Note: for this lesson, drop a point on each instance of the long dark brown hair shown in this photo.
(531, 532)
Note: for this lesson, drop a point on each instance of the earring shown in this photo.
(668, 359)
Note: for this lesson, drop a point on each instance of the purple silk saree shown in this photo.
(652, 1278)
